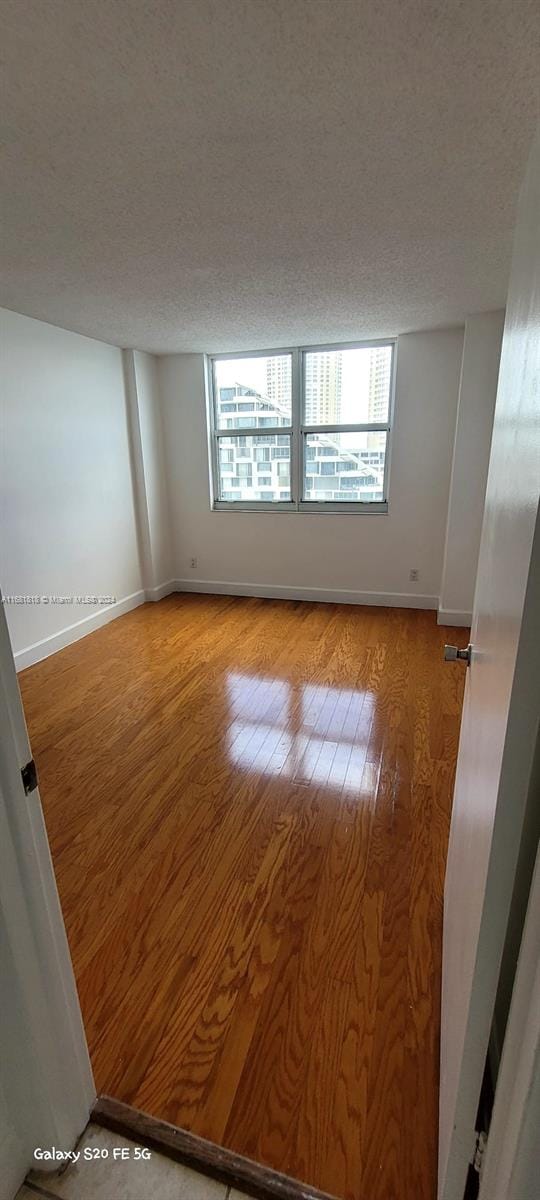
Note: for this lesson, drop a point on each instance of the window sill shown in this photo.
(314, 508)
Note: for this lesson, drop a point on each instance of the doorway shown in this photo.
(248, 804)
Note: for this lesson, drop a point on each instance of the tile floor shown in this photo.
(132, 1177)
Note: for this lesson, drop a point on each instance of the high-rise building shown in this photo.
(255, 465)
(380, 362)
(323, 387)
(279, 381)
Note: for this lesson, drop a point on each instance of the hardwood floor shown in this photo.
(248, 806)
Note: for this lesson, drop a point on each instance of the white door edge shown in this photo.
(512, 1162)
(61, 1087)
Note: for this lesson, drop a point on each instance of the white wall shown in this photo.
(105, 486)
(67, 511)
(476, 406)
(148, 474)
(318, 555)
(153, 462)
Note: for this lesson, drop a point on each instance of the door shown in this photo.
(500, 713)
(46, 1085)
(512, 1164)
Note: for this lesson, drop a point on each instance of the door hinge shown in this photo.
(479, 1151)
(29, 777)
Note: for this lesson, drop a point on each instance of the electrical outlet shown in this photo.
(414, 575)
(193, 562)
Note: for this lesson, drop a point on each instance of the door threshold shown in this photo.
(218, 1162)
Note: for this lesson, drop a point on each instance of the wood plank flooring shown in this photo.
(248, 806)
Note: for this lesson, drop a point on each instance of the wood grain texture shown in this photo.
(248, 806)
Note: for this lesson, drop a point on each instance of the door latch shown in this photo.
(29, 777)
(452, 653)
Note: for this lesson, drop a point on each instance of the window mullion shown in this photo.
(254, 430)
(215, 478)
(296, 441)
(347, 428)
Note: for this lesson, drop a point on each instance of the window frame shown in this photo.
(297, 432)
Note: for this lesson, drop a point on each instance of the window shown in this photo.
(316, 426)
(346, 423)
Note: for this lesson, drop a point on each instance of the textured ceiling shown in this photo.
(223, 174)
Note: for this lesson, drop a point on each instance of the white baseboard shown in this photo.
(322, 595)
(72, 633)
(158, 593)
(451, 616)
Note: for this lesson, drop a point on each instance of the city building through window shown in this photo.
(302, 429)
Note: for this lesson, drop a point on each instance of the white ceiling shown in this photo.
(224, 174)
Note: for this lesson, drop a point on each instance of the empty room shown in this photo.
(270, 561)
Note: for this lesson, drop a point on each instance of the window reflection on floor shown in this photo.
(311, 734)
